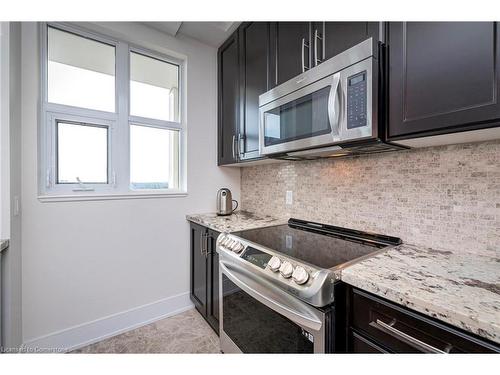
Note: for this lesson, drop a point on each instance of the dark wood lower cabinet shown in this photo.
(377, 325)
(213, 281)
(360, 344)
(205, 273)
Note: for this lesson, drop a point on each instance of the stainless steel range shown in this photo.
(280, 288)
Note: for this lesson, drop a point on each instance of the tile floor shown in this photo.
(187, 332)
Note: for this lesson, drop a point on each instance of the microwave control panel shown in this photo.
(356, 101)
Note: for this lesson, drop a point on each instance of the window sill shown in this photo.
(103, 197)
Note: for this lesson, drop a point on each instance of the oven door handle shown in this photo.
(293, 309)
(334, 104)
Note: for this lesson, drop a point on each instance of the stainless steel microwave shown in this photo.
(329, 110)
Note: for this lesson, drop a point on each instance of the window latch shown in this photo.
(48, 184)
(82, 186)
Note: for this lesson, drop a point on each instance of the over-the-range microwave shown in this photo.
(333, 109)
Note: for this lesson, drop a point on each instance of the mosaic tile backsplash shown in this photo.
(445, 197)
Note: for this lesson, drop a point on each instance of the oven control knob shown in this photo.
(286, 269)
(237, 247)
(300, 275)
(274, 264)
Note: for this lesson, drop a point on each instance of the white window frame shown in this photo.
(118, 123)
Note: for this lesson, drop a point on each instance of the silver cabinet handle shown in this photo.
(303, 46)
(207, 236)
(202, 243)
(410, 340)
(317, 36)
(234, 141)
(333, 103)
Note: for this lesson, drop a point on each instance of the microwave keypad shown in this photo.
(356, 101)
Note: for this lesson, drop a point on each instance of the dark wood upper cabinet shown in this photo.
(262, 55)
(228, 100)
(290, 50)
(443, 77)
(299, 46)
(332, 38)
(254, 74)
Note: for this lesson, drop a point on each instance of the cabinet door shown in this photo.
(228, 97)
(213, 282)
(331, 38)
(442, 76)
(290, 50)
(254, 64)
(199, 268)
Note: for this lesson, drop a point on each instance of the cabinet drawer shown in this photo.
(403, 331)
(362, 345)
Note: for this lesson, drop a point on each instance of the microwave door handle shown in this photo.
(305, 318)
(333, 103)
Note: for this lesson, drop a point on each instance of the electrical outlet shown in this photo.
(289, 197)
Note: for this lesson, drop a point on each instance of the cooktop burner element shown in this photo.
(303, 258)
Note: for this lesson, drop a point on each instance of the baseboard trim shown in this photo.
(88, 333)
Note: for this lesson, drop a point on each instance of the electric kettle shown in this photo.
(225, 202)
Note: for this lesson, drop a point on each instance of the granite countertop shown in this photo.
(239, 220)
(3, 245)
(460, 289)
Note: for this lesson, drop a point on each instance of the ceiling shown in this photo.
(211, 33)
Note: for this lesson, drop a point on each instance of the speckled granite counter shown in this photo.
(240, 220)
(3, 245)
(459, 289)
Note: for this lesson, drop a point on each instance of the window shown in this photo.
(81, 71)
(82, 153)
(154, 88)
(112, 117)
(153, 158)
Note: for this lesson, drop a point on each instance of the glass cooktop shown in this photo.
(320, 245)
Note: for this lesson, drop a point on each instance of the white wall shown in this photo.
(11, 182)
(84, 261)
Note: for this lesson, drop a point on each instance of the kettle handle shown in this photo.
(234, 209)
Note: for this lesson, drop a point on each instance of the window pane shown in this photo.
(154, 88)
(81, 71)
(82, 153)
(154, 158)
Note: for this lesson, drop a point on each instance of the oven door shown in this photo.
(257, 317)
(332, 110)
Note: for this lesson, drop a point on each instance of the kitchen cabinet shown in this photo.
(443, 77)
(379, 326)
(228, 100)
(298, 46)
(204, 273)
(290, 50)
(261, 55)
(332, 38)
(254, 77)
